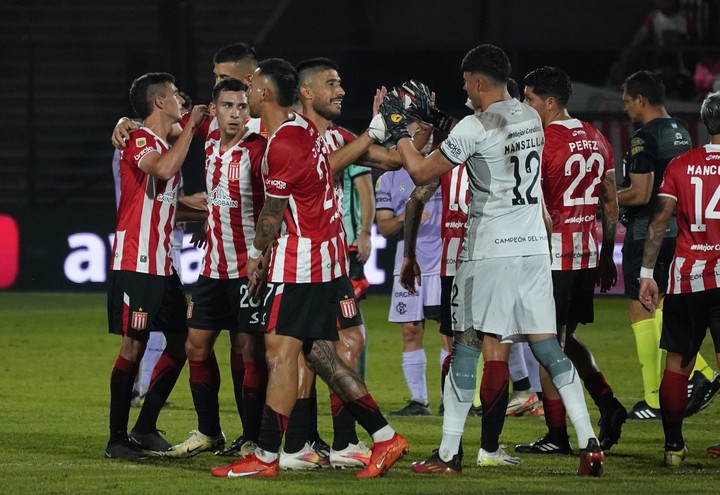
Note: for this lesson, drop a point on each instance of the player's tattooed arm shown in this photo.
(410, 272)
(324, 361)
(413, 214)
(269, 221)
(266, 230)
(656, 230)
(649, 294)
(607, 274)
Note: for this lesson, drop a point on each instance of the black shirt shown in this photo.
(651, 149)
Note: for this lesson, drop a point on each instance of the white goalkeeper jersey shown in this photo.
(502, 148)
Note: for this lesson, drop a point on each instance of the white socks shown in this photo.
(414, 364)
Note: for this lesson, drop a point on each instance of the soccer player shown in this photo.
(220, 297)
(144, 291)
(578, 172)
(308, 286)
(411, 308)
(503, 287)
(235, 61)
(358, 206)
(454, 196)
(691, 188)
(321, 95)
(659, 140)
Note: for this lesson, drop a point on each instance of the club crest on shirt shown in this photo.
(233, 172)
(140, 142)
(139, 320)
(348, 308)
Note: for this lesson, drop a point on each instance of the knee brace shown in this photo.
(550, 355)
(463, 371)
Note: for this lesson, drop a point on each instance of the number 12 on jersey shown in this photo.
(529, 198)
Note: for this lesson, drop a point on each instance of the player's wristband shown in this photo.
(254, 252)
(646, 272)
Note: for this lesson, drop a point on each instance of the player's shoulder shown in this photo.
(346, 135)
(141, 142)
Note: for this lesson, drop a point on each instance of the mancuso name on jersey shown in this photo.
(693, 179)
(576, 159)
(502, 149)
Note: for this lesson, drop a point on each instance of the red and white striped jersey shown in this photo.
(575, 160)
(693, 179)
(336, 138)
(235, 198)
(146, 213)
(210, 124)
(455, 199)
(311, 246)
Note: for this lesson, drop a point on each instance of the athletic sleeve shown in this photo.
(643, 153)
(461, 144)
(668, 187)
(354, 171)
(141, 143)
(283, 172)
(202, 130)
(383, 194)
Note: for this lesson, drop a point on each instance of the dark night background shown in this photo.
(66, 68)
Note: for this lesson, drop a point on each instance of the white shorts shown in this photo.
(508, 297)
(424, 304)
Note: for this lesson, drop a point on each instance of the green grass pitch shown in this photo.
(54, 396)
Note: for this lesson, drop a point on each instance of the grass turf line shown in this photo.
(56, 362)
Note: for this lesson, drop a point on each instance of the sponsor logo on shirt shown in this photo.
(705, 247)
(142, 153)
(218, 197)
(580, 219)
(168, 197)
(279, 184)
(680, 140)
(454, 148)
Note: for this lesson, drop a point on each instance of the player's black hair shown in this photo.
(550, 81)
(513, 88)
(228, 84)
(145, 89)
(645, 83)
(284, 77)
(710, 113)
(306, 67)
(489, 60)
(235, 53)
(188, 102)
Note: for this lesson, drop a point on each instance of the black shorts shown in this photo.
(139, 303)
(633, 252)
(574, 291)
(686, 319)
(223, 304)
(310, 311)
(446, 287)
